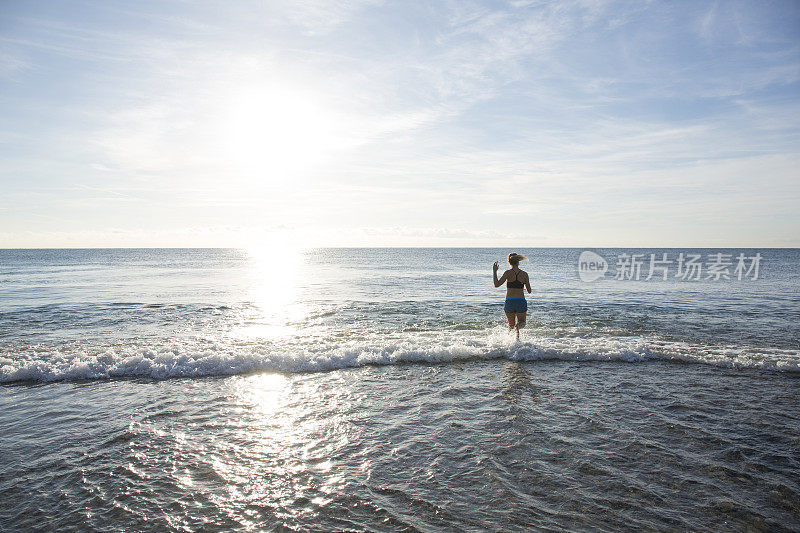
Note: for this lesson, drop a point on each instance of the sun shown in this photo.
(273, 134)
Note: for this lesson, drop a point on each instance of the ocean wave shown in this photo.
(194, 358)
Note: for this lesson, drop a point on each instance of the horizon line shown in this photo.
(403, 247)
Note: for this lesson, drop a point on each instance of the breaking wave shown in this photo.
(204, 357)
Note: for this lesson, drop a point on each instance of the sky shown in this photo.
(410, 123)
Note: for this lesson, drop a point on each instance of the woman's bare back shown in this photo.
(514, 290)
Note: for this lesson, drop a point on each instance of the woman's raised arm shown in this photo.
(498, 282)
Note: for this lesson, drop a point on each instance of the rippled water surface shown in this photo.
(175, 390)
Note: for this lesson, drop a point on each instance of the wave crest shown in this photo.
(192, 358)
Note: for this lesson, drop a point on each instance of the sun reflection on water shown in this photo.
(276, 270)
(282, 454)
(262, 392)
(271, 452)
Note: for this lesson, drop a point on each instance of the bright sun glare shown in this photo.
(276, 268)
(273, 134)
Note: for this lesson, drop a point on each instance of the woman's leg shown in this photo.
(521, 317)
(511, 320)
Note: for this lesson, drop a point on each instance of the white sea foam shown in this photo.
(193, 358)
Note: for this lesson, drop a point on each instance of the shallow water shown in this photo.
(482, 445)
(175, 390)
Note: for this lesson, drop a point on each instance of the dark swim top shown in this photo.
(516, 284)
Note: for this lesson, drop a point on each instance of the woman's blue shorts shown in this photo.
(516, 305)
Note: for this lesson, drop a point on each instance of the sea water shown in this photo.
(379, 389)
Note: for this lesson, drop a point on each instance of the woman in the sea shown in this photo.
(516, 307)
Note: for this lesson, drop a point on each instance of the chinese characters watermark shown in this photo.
(686, 266)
